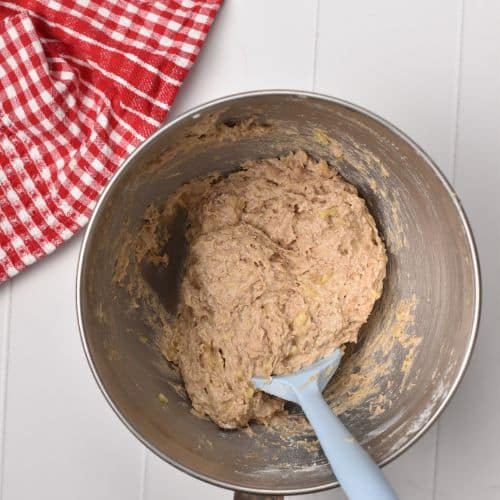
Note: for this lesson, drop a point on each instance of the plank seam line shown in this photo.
(458, 89)
(4, 370)
(315, 47)
(454, 145)
(142, 479)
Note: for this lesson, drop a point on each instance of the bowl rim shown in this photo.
(307, 95)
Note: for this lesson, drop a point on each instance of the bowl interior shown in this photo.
(411, 352)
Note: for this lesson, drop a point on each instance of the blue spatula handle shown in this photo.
(355, 470)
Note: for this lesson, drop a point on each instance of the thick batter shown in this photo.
(285, 264)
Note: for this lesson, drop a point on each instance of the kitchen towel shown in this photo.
(82, 83)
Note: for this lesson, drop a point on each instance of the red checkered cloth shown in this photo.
(82, 83)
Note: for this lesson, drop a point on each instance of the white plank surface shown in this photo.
(468, 449)
(164, 481)
(62, 440)
(402, 60)
(398, 59)
(253, 45)
(5, 301)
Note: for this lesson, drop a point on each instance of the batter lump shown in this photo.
(284, 265)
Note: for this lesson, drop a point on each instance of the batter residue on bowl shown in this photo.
(284, 265)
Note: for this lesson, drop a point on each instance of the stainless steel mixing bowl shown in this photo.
(413, 350)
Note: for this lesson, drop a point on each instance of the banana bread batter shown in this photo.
(285, 264)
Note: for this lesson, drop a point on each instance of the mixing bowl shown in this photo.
(412, 352)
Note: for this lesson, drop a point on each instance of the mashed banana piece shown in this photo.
(285, 264)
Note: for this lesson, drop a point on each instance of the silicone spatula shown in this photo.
(357, 473)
